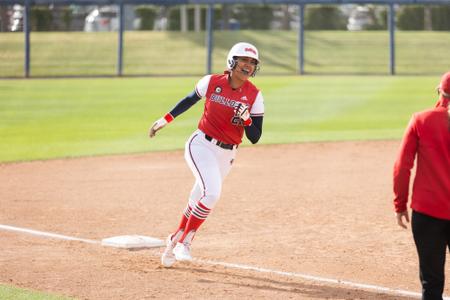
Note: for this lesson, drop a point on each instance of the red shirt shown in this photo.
(221, 100)
(428, 136)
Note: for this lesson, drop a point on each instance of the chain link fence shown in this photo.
(171, 40)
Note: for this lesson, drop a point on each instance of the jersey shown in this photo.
(218, 119)
(428, 137)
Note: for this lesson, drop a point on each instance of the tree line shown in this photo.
(252, 17)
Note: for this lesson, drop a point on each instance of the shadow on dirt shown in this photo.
(290, 287)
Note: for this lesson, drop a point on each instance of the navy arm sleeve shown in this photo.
(254, 131)
(185, 104)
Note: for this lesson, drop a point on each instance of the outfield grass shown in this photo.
(13, 293)
(177, 53)
(42, 119)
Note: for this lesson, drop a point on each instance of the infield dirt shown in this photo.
(323, 209)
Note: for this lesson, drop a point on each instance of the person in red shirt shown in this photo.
(233, 106)
(427, 137)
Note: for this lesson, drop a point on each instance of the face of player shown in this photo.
(245, 67)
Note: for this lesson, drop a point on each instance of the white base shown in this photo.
(132, 241)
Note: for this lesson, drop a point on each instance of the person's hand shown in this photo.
(400, 216)
(242, 112)
(159, 124)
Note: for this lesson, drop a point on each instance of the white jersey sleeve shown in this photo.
(202, 86)
(258, 106)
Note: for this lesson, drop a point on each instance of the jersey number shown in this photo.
(235, 120)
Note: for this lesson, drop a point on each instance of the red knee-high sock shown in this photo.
(184, 219)
(198, 216)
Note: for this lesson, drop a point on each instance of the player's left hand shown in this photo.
(159, 124)
(242, 112)
(400, 216)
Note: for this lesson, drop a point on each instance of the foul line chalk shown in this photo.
(47, 234)
(240, 267)
(316, 278)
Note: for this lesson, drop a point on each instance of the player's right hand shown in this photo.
(159, 124)
(400, 216)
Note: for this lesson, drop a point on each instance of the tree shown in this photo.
(253, 16)
(411, 17)
(41, 18)
(440, 17)
(147, 14)
(4, 18)
(324, 17)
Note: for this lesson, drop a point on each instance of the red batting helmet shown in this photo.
(444, 86)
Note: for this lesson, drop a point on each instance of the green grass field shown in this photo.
(54, 118)
(12, 293)
(176, 53)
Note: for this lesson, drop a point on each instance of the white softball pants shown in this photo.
(210, 164)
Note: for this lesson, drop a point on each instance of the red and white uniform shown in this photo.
(220, 103)
(210, 163)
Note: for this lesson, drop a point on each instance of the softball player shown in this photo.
(427, 137)
(233, 106)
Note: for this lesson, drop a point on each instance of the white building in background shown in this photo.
(360, 18)
(106, 18)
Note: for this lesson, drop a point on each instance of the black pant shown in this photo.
(432, 237)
